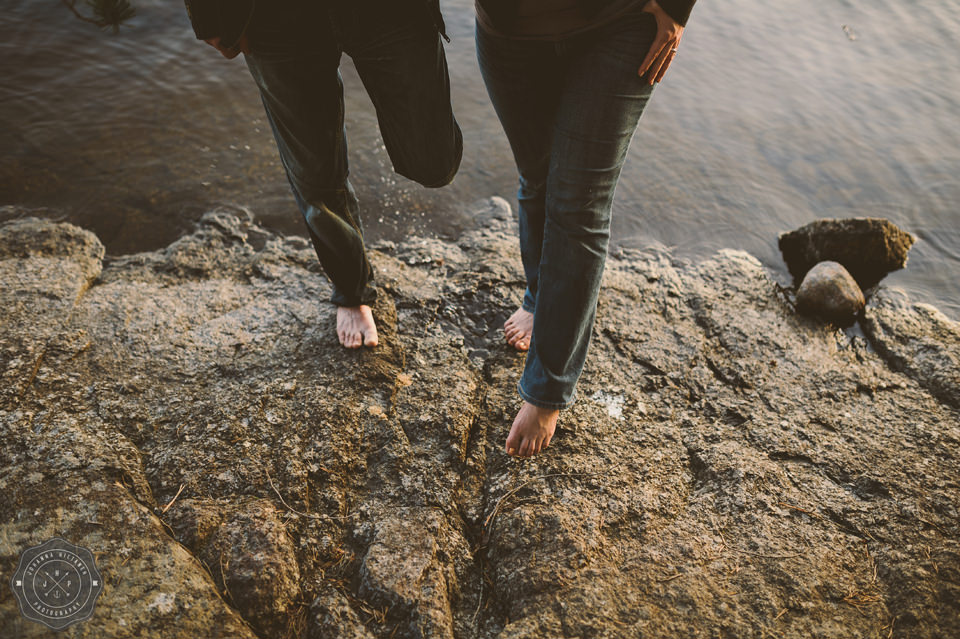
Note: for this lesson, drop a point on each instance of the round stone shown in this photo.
(829, 291)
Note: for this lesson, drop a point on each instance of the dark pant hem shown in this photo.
(543, 404)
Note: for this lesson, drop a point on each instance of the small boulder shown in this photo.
(830, 292)
(868, 248)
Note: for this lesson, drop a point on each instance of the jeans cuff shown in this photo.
(542, 404)
(529, 302)
(368, 296)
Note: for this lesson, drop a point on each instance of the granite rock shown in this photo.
(731, 469)
(246, 548)
(918, 340)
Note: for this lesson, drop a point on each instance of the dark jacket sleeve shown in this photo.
(679, 10)
(226, 19)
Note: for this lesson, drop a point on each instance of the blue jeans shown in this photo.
(295, 50)
(569, 110)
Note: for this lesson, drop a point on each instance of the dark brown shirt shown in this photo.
(552, 19)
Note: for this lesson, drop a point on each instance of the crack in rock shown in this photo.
(731, 469)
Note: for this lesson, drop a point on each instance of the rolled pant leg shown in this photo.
(294, 60)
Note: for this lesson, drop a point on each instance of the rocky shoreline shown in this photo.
(731, 468)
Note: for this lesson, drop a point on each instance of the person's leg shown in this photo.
(524, 80)
(602, 101)
(294, 60)
(398, 54)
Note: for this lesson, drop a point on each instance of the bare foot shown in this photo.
(532, 430)
(355, 326)
(518, 329)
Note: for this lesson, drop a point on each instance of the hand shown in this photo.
(664, 47)
(227, 52)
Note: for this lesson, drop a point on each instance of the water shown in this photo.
(773, 115)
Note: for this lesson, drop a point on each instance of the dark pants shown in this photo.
(569, 110)
(295, 57)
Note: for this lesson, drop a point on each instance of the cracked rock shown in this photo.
(730, 470)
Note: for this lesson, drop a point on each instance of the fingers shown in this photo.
(663, 69)
(664, 47)
(649, 58)
(661, 62)
(659, 57)
(657, 63)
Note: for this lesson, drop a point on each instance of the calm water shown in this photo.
(773, 115)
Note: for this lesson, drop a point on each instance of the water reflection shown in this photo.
(764, 123)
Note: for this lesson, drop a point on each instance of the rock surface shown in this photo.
(867, 247)
(731, 469)
(828, 291)
(918, 340)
